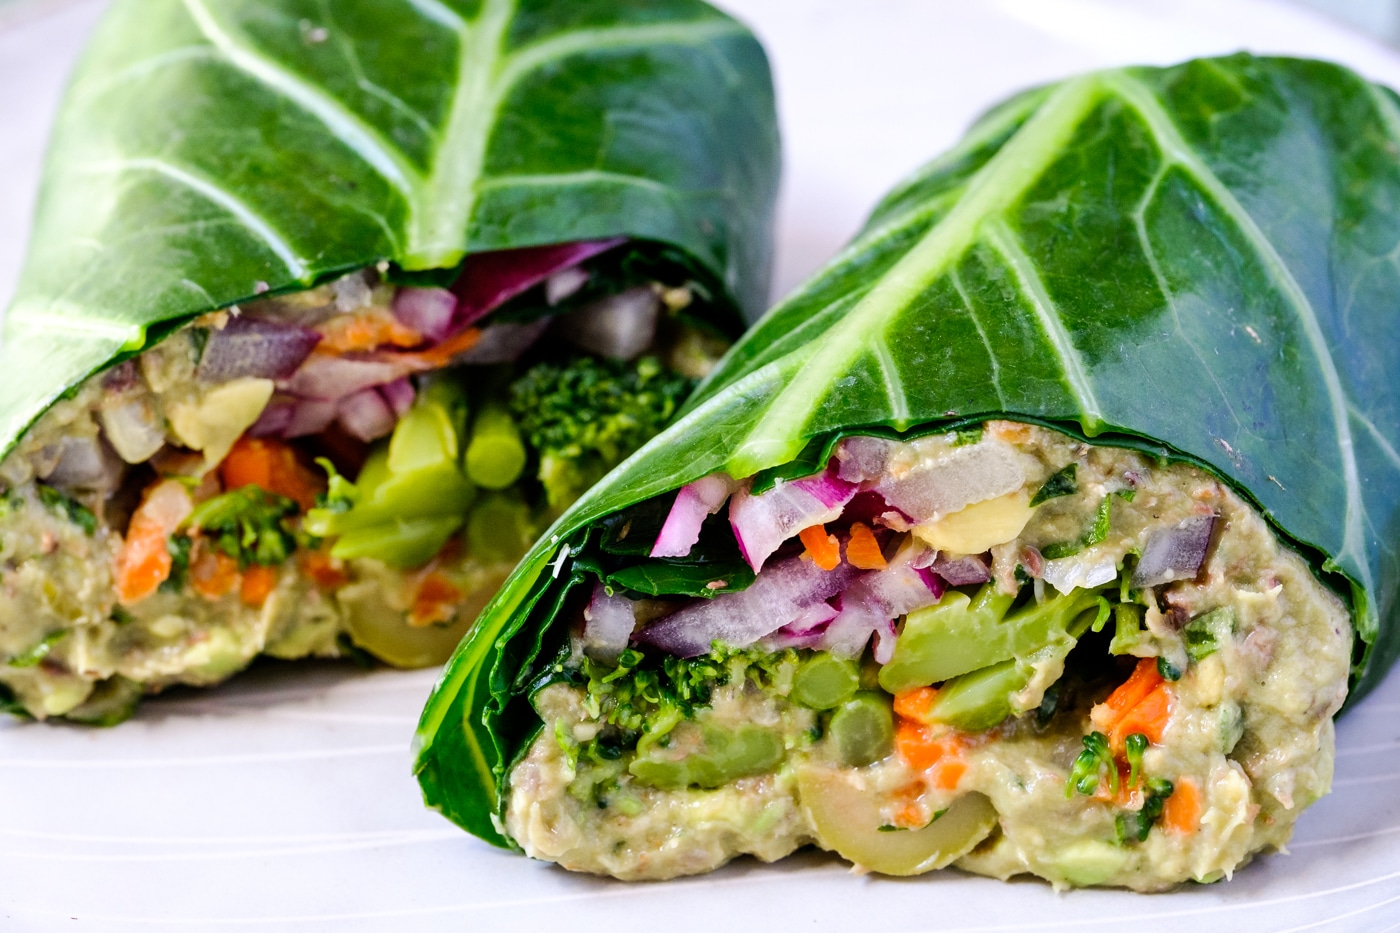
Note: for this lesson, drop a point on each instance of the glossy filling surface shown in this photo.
(1003, 650)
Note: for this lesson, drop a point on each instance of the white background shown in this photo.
(284, 799)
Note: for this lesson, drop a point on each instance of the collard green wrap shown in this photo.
(210, 152)
(1196, 261)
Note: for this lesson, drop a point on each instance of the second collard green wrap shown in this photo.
(1197, 261)
(210, 153)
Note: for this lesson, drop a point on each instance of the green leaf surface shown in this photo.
(210, 152)
(1196, 261)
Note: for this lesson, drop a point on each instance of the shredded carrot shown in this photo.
(914, 704)
(438, 356)
(258, 584)
(862, 550)
(435, 601)
(822, 548)
(143, 562)
(365, 329)
(1181, 812)
(272, 465)
(1145, 678)
(1149, 717)
(324, 570)
(213, 573)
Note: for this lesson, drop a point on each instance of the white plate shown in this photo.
(284, 798)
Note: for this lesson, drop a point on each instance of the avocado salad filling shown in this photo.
(353, 468)
(1001, 649)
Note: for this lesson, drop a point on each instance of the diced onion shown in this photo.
(957, 479)
(777, 597)
(251, 347)
(620, 326)
(694, 503)
(608, 622)
(429, 311)
(762, 523)
(366, 415)
(1175, 553)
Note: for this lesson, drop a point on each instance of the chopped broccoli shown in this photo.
(248, 524)
(1092, 765)
(587, 415)
(69, 508)
(646, 696)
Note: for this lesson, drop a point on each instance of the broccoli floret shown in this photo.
(248, 524)
(586, 416)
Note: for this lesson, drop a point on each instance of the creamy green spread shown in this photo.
(1244, 746)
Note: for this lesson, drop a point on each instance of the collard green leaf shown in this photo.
(1196, 261)
(208, 152)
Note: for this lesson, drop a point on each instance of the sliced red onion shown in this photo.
(955, 480)
(274, 419)
(399, 394)
(872, 603)
(762, 523)
(862, 459)
(1175, 553)
(488, 280)
(620, 326)
(805, 631)
(964, 571)
(694, 503)
(776, 598)
(366, 415)
(564, 284)
(253, 347)
(430, 311)
(334, 377)
(608, 622)
(504, 343)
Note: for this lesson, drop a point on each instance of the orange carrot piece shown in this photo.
(272, 465)
(213, 574)
(325, 571)
(862, 550)
(917, 745)
(822, 548)
(1148, 717)
(258, 584)
(442, 354)
(435, 601)
(948, 774)
(1145, 678)
(143, 562)
(365, 329)
(914, 704)
(1181, 812)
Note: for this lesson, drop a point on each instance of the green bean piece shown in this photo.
(979, 700)
(429, 434)
(726, 755)
(499, 529)
(959, 635)
(825, 682)
(496, 454)
(402, 544)
(863, 729)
